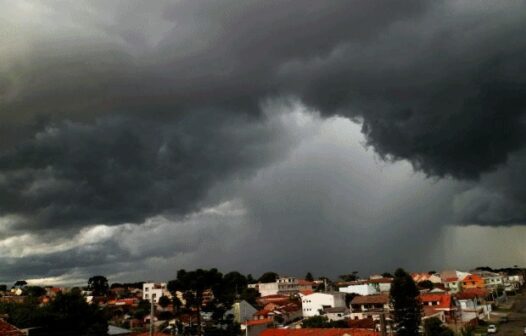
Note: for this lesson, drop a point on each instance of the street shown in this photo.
(517, 317)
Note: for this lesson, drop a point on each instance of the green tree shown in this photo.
(309, 276)
(164, 301)
(387, 275)
(406, 304)
(426, 284)
(349, 277)
(3, 288)
(268, 277)
(193, 284)
(35, 291)
(99, 285)
(434, 327)
(20, 284)
(319, 321)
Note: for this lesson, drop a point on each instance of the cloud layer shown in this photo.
(116, 113)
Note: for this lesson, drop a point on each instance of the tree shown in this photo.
(309, 277)
(99, 285)
(434, 327)
(193, 284)
(3, 288)
(35, 291)
(426, 284)
(406, 304)
(349, 277)
(387, 275)
(20, 284)
(268, 277)
(164, 301)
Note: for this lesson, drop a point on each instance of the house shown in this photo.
(282, 286)
(319, 332)
(383, 285)
(242, 311)
(439, 305)
(305, 286)
(513, 282)
(360, 288)
(425, 276)
(491, 280)
(313, 304)
(256, 327)
(472, 304)
(452, 284)
(473, 281)
(151, 290)
(277, 299)
(370, 305)
(336, 313)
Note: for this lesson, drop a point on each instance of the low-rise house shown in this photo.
(369, 306)
(472, 304)
(151, 290)
(320, 332)
(452, 284)
(313, 304)
(256, 327)
(514, 282)
(433, 277)
(383, 285)
(282, 286)
(337, 313)
(491, 280)
(360, 288)
(473, 281)
(434, 303)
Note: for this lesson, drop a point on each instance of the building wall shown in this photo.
(153, 290)
(313, 303)
(363, 289)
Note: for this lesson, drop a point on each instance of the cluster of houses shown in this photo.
(361, 307)
(453, 297)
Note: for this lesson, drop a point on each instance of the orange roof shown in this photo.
(302, 282)
(307, 292)
(470, 293)
(452, 279)
(381, 280)
(319, 332)
(444, 299)
(371, 299)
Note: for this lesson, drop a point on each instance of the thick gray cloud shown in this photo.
(115, 112)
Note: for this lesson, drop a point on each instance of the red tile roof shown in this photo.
(7, 329)
(470, 293)
(371, 299)
(319, 332)
(444, 299)
(251, 323)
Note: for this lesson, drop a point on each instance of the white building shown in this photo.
(360, 289)
(282, 286)
(151, 290)
(313, 303)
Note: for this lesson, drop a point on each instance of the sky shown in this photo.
(138, 138)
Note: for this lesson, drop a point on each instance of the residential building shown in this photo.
(313, 304)
(369, 306)
(425, 276)
(256, 327)
(151, 290)
(320, 332)
(472, 304)
(383, 285)
(337, 313)
(360, 288)
(491, 280)
(473, 281)
(282, 286)
(453, 284)
(435, 303)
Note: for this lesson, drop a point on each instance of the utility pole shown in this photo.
(151, 316)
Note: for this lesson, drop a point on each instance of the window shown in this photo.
(146, 296)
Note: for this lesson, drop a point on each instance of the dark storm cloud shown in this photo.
(440, 84)
(126, 169)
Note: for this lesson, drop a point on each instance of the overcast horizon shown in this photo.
(141, 137)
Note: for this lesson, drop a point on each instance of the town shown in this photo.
(207, 302)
